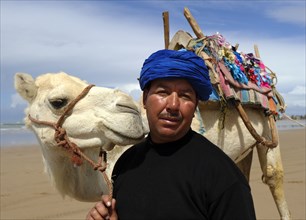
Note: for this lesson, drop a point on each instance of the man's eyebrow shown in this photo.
(161, 85)
(188, 90)
(164, 85)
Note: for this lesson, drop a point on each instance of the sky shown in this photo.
(106, 42)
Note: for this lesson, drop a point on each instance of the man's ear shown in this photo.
(197, 102)
(144, 98)
(196, 105)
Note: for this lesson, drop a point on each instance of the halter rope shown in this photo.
(77, 156)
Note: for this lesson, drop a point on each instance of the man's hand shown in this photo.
(105, 209)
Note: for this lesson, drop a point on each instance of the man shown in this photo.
(175, 173)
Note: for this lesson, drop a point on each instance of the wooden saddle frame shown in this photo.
(181, 40)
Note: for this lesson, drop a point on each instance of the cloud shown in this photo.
(105, 43)
(296, 100)
(79, 41)
(296, 97)
(129, 87)
(298, 90)
(290, 14)
(295, 110)
(132, 89)
(17, 100)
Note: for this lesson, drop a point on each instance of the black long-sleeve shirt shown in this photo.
(187, 179)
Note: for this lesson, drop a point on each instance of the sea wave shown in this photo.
(19, 135)
(16, 135)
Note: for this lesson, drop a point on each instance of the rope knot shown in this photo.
(60, 134)
(76, 159)
(99, 167)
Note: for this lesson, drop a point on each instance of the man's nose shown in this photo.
(173, 102)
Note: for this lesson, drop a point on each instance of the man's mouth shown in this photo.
(171, 118)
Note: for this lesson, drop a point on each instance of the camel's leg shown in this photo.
(273, 173)
(245, 165)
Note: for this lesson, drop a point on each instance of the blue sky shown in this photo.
(106, 42)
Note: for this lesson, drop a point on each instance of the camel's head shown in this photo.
(104, 117)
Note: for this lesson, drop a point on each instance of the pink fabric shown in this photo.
(224, 71)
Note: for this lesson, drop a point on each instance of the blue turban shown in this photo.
(177, 64)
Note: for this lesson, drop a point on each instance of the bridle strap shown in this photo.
(73, 103)
(62, 139)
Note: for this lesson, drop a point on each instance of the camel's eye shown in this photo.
(59, 103)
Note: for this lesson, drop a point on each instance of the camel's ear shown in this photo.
(25, 86)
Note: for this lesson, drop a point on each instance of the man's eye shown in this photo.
(162, 93)
(186, 96)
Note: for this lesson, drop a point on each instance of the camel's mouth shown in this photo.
(124, 138)
(108, 139)
(124, 126)
(125, 108)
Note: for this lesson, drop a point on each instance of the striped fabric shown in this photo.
(247, 97)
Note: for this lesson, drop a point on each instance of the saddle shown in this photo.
(237, 78)
(233, 74)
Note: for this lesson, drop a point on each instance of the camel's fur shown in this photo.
(234, 139)
(86, 127)
(105, 117)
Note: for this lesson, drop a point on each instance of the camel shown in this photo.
(105, 118)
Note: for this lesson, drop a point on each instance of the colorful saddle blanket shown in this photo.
(238, 76)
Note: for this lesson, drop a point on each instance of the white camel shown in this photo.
(104, 118)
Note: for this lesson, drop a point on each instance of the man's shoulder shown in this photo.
(129, 157)
(202, 140)
(202, 144)
(133, 152)
(212, 155)
(136, 148)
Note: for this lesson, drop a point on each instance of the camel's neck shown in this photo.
(80, 182)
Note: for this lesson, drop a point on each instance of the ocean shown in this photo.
(16, 135)
(19, 135)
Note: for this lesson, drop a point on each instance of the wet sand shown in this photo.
(26, 192)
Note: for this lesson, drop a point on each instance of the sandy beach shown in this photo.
(26, 192)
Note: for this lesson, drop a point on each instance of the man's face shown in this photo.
(170, 106)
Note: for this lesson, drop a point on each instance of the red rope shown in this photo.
(77, 156)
